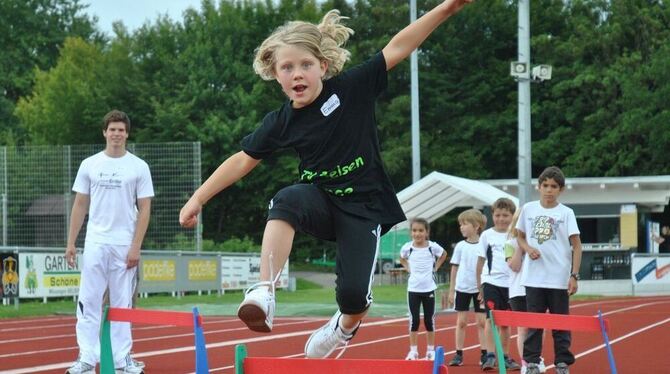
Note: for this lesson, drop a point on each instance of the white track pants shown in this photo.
(104, 265)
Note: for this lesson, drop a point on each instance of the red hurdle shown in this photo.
(262, 365)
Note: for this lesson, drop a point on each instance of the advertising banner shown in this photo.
(48, 275)
(9, 275)
(651, 270)
(241, 272)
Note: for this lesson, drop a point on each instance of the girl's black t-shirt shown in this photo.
(337, 142)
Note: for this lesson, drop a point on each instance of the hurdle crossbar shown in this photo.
(151, 317)
(256, 365)
(551, 322)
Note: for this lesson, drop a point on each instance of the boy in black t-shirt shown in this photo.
(344, 192)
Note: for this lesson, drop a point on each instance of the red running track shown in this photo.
(639, 331)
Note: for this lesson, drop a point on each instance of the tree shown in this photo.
(31, 33)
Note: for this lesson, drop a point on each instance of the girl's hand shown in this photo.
(188, 217)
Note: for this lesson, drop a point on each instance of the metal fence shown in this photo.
(36, 189)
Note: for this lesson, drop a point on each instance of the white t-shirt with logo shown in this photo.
(421, 264)
(515, 286)
(492, 248)
(113, 184)
(465, 256)
(549, 231)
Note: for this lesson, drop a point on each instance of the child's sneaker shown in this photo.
(325, 340)
(530, 368)
(489, 363)
(456, 361)
(258, 308)
(130, 367)
(430, 355)
(562, 368)
(80, 367)
(412, 355)
(511, 365)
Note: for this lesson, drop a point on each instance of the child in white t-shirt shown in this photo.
(493, 276)
(463, 284)
(421, 258)
(517, 292)
(549, 236)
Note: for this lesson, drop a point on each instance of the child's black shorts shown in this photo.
(495, 298)
(308, 209)
(462, 302)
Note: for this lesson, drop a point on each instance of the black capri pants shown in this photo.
(417, 299)
(309, 209)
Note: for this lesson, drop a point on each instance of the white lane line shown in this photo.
(190, 334)
(279, 336)
(62, 365)
(477, 345)
(621, 338)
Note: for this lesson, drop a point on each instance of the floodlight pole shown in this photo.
(414, 75)
(524, 146)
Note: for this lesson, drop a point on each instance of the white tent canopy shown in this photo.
(437, 194)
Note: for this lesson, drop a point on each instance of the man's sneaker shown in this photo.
(511, 365)
(139, 364)
(130, 367)
(530, 368)
(326, 339)
(412, 355)
(430, 355)
(489, 363)
(456, 361)
(482, 359)
(542, 366)
(562, 368)
(258, 308)
(80, 367)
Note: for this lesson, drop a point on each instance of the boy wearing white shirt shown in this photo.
(463, 282)
(493, 277)
(547, 230)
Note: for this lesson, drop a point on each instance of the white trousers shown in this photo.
(104, 266)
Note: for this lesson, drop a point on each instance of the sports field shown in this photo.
(639, 330)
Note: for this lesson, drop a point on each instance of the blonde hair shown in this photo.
(324, 41)
(512, 232)
(473, 217)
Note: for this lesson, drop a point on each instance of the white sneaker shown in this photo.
(325, 340)
(412, 355)
(139, 364)
(430, 355)
(80, 367)
(258, 308)
(130, 368)
(542, 366)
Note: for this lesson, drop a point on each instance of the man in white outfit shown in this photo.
(114, 188)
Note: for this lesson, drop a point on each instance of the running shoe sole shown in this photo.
(254, 317)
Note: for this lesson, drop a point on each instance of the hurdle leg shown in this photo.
(201, 364)
(498, 343)
(106, 356)
(240, 355)
(610, 355)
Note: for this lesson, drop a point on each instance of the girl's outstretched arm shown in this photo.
(229, 172)
(411, 37)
